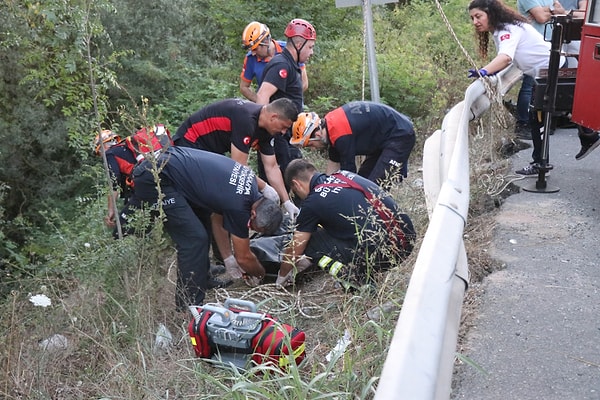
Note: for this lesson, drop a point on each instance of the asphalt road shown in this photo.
(536, 334)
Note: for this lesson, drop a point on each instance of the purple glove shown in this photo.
(473, 73)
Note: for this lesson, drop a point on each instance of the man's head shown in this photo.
(307, 131)
(301, 37)
(107, 139)
(298, 174)
(266, 216)
(255, 36)
(277, 116)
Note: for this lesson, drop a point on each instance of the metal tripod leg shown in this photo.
(540, 185)
(558, 23)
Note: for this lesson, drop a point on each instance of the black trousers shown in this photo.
(190, 230)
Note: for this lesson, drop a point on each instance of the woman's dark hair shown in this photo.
(499, 15)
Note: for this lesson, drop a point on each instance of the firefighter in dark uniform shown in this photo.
(196, 183)
(377, 131)
(343, 221)
(282, 78)
(236, 126)
(120, 160)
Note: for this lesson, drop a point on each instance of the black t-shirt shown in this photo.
(284, 73)
(215, 127)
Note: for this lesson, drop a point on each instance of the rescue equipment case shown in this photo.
(235, 333)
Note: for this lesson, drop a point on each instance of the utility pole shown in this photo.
(368, 22)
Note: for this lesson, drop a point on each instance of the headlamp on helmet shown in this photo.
(303, 128)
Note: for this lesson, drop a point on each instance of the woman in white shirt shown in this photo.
(519, 43)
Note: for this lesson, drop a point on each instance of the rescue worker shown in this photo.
(256, 38)
(343, 221)
(377, 131)
(120, 161)
(196, 183)
(282, 77)
(236, 126)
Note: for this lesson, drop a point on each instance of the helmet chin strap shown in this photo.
(324, 133)
(299, 50)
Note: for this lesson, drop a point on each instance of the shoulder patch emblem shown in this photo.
(283, 73)
(246, 140)
(506, 36)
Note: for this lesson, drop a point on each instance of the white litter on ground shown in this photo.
(40, 300)
(54, 342)
(340, 346)
(164, 338)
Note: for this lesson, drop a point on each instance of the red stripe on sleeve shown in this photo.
(207, 126)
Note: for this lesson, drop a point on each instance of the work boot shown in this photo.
(215, 283)
(589, 141)
(216, 269)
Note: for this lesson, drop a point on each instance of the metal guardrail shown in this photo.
(420, 360)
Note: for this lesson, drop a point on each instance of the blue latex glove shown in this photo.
(473, 73)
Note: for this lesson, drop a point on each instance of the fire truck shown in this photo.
(586, 99)
(574, 91)
(568, 91)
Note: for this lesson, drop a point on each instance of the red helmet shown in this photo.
(300, 27)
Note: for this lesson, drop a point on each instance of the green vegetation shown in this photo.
(72, 67)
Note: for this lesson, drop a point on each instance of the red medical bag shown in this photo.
(236, 334)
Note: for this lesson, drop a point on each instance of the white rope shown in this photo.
(488, 88)
(277, 300)
(494, 184)
(449, 26)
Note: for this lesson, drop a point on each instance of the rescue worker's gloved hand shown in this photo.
(270, 193)
(252, 281)
(284, 281)
(302, 264)
(291, 209)
(233, 268)
(473, 73)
